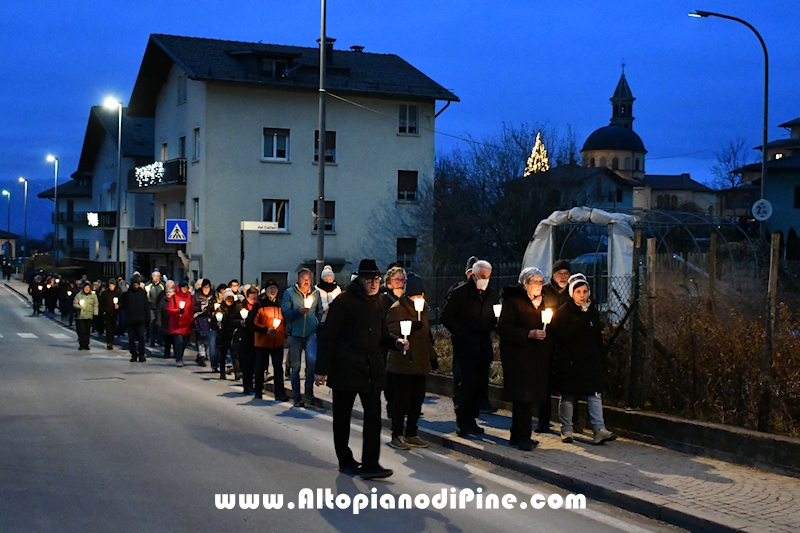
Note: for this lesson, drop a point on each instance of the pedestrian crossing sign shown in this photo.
(176, 231)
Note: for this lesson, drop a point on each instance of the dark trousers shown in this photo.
(110, 324)
(469, 389)
(521, 416)
(179, 342)
(246, 364)
(342, 412)
(84, 327)
(409, 393)
(168, 343)
(261, 359)
(136, 336)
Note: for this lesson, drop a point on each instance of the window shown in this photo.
(627, 163)
(778, 156)
(276, 211)
(330, 146)
(407, 252)
(602, 161)
(797, 197)
(196, 154)
(181, 89)
(182, 210)
(615, 164)
(273, 68)
(674, 202)
(275, 145)
(164, 152)
(330, 216)
(636, 164)
(409, 114)
(182, 147)
(619, 195)
(196, 214)
(591, 162)
(407, 185)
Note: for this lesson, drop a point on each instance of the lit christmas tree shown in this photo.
(538, 161)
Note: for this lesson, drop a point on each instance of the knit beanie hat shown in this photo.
(576, 280)
(414, 286)
(327, 272)
(561, 264)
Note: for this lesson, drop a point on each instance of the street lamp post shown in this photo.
(54, 159)
(24, 217)
(6, 193)
(320, 218)
(706, 14)
(111, 103)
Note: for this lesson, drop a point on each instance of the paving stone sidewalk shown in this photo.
(692, 492)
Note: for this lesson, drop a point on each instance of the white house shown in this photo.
(235, 140)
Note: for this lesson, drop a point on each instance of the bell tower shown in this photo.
(622, 103)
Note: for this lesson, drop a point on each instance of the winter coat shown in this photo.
(137, 310)
(578, 359)
(469, 317)
(261, 319)
(90, 307)
(241, 337)
(180, 323)
(297, 323)
(552, 298)
(153, 291)
(525, 361)
(206, 320)
(36, 289)
(353, 341)
(420, 355)
(107, 309)
(162, 317)
(327, 293)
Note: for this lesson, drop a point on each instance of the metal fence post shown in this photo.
(633, 383)
(765, 402)
(650, 333)
(712, 269)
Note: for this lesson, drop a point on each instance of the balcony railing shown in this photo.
(97, 219)
(74, 248)
(151, 240)
(158, 176)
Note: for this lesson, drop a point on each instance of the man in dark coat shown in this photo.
(469, 317)
(36, 290)
(138, 316)
(555, 295)
(109, 310)
(350, 359)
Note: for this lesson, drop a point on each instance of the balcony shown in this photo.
(151, 240)
(161, 176)
(74, 248)
(103, 220)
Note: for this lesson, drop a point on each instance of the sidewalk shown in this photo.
(696, 493)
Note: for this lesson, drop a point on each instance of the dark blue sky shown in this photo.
(698, 82)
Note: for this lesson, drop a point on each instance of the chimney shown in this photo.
(328, 49)
(356, 48)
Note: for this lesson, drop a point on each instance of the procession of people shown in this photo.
(372, 337)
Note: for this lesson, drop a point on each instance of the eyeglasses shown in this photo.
(376, 279)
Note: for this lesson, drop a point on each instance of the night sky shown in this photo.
(698, 82)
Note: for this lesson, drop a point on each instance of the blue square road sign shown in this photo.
(176, 230)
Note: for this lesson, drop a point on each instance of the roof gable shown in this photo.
(137, 135)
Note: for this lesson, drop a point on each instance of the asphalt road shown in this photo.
(91, 442)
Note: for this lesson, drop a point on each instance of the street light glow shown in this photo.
(51, 158)
(6, 193)
(112, 103)
(22, 180)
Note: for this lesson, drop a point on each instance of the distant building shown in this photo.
(675, 193)
(8, 244)
(236, 140)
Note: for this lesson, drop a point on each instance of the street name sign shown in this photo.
(258, 226)
(176, 230)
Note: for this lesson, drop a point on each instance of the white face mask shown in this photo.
(481, 284)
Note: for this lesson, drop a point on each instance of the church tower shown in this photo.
(622, 103)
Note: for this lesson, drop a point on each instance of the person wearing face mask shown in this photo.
(266, 321)
(350, 360)
(86, 307)
(578, 359)
(409, 369)
(394, 285)
(525, 351)
(469, 317)
(328, 290)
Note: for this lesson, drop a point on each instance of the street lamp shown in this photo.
(706, 14)
(54, 159)
(113, 103)
(6, 193)
(25, 217)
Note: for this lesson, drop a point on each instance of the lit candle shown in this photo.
(308, 302)
(219, 317)
(276, 322)
(216, 306)
(40, 287)
(547, 316)
(116, 300)
(181, 304)
(419, 306)
(497, 308)
(80, 302)
(405, 330)
(243, 313)
(69, 293)
(147, 290)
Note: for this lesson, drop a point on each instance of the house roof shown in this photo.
(70, 189)
(623, 90)
(138, 135)
(791, 123)
(574, 173)
(8, 236)
(781, 143)
(680, 182)
(787, 163)
(381, 75)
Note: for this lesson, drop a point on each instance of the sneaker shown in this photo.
(201, 362)
(376, 472)
(180, 363)
(298, 402)
(415, 442)
(566, 437)
(214, 369)
(603, 435)
(352, 469)
(109, 347)
(399, 444)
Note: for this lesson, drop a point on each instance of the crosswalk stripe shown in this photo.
(1, 335)
(59, 336)
(27, 336)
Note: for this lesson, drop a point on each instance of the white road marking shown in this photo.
(20, 298)
(1, 335)
(27, 336)
(59, 336)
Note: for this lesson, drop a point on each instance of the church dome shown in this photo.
(614, 137)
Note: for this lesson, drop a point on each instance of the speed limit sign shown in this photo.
(762, 210)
